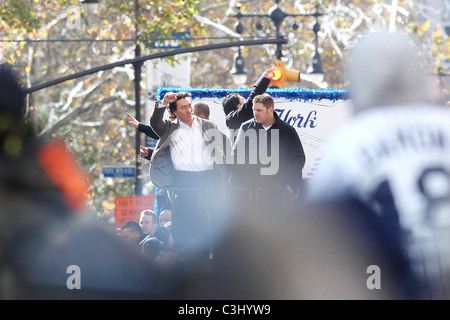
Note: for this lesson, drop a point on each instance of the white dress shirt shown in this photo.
(188, 149)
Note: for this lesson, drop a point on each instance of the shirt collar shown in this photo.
(196, 123)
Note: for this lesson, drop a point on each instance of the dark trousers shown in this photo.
(195, 201)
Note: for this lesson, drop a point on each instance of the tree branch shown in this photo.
(71, 116)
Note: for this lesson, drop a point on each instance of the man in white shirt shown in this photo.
(188, 160)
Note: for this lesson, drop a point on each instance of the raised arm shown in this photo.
(245, 112)
(156, 120)
(142, 127)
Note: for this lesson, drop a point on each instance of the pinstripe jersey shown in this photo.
(397, 160)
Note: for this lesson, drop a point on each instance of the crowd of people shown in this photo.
(238, 220)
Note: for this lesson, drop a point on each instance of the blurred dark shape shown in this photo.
(319, 251)
(45, 228)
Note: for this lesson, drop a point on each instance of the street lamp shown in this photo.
(238, 71)
(277, 15)
(137, 66)
(315, 71)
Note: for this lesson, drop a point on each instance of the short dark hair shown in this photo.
(162, 234)
(266, 99)
(133, 225)
(230, 102)
(180, 95)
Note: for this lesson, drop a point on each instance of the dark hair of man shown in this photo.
(266, 99)
(230, 102)
(180, 95)
(162, 234)
(133, 225)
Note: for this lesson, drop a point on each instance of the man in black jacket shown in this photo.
(268, 155)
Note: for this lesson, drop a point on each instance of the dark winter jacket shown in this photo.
(257, 162)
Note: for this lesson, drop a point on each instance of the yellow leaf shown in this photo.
(28, 69)
(425, 26)
(108, 205)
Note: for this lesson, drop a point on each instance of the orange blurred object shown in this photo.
(64, 171)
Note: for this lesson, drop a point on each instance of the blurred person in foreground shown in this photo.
(51, 247)
(325, 251)
(394, 156)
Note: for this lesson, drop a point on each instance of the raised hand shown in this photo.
(133, 120)
(169, 97)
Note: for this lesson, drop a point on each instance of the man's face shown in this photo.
(262, 114)
(129, 235)
(184, 111)
(165, 217)
(147, 224)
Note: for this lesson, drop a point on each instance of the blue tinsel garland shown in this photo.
(299, 94)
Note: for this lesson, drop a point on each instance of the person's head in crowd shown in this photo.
(201, 110)
(231, 102)
(163, 234)
(263, 108)
(384, 70)
(148, 221)
(165, 218)
(131, 231)
(182, 107)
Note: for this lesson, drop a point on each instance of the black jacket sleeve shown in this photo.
(147, 130)
(245, 112)
(296, 161)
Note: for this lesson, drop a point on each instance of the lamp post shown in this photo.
(277, 15)
(137, 94)
(137, 66)
(238, 71)
(315, 71)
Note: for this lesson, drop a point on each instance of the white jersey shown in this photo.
(397, 159)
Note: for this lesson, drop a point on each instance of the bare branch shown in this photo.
(71, 116)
